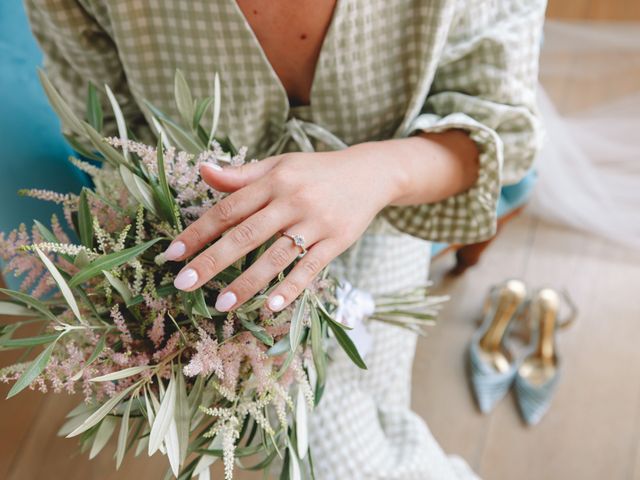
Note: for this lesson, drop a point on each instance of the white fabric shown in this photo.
(590, 165)
(354, 306)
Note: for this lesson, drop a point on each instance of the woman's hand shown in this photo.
(329, 198)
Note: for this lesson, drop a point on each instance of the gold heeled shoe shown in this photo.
(537, 376)
(493, 366)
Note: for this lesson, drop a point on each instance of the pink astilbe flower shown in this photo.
(122, 359)
(260, 363)
(121, 325)
(278, 330)
(228, 327)
(170, 347)
(20, 261)
(206, 359)
(108, 218)
(195, 196)
(155, 304)
(47, 195)
(61, 368)
(58, 231)
(231, 356)
(156, 332)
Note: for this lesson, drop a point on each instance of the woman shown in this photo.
(435, 101)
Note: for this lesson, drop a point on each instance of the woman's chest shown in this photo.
(365, 66)
(291, 33)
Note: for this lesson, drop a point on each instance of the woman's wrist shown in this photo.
(380, 159)
(425, 168)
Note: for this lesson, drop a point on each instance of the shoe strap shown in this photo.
(562, 323)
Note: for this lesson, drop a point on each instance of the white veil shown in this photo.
(589, 169)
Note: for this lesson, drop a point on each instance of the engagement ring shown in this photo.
(298, 241)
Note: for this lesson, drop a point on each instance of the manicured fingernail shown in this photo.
(226, 301)
(276, 303)
(175, 250)
(186, 279)
(212, 166)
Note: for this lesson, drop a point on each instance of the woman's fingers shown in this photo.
(230, 179)
(302, 275)
(218, 219)
(235, 244)
(273, 261)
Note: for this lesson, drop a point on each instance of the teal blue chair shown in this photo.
(512, 200)
(33, 153)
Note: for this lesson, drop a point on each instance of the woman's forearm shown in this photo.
(425, 168)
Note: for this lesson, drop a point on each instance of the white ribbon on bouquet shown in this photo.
(354, 306)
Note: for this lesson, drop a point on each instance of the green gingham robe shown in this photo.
(387, 69)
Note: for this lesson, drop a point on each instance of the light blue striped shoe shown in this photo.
(534, 399)
(492, 366)
(538, 375)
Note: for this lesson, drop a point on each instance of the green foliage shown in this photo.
(123, 286)
(110, 261)
(85, 220)
(34, 369)
(94, 108)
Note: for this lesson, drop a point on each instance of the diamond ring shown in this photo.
(298, 241)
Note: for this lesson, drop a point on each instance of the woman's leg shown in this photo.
(364, 427)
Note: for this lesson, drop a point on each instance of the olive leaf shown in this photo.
(31, 302)
(123, 434)
(94, 108)
(9, 343)
(182, 415)
(102, 412)
(217, 101)
(319, 354)
(14, 310)
(163, 418)
(119, 285)
(105, 430)
(343, 339)
(201, 108)
(34, 369)
(297, 321)
(85, 220)
(139, 189)
(184, 99)
(62, 284)
(166, 197)
(120, 122)
(120, 374)
(302, 436)
(67, 116)
(109, 261)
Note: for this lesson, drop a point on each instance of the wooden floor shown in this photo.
(593, 428)
(592, 431)
(616, 10)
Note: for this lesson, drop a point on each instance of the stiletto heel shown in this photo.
(537, 377)
(493, 367)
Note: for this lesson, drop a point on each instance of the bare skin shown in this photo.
(291, 33)
(306, 193)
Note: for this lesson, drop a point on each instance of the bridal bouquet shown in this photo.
(160, 368)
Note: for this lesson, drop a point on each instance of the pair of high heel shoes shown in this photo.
(534, 373)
